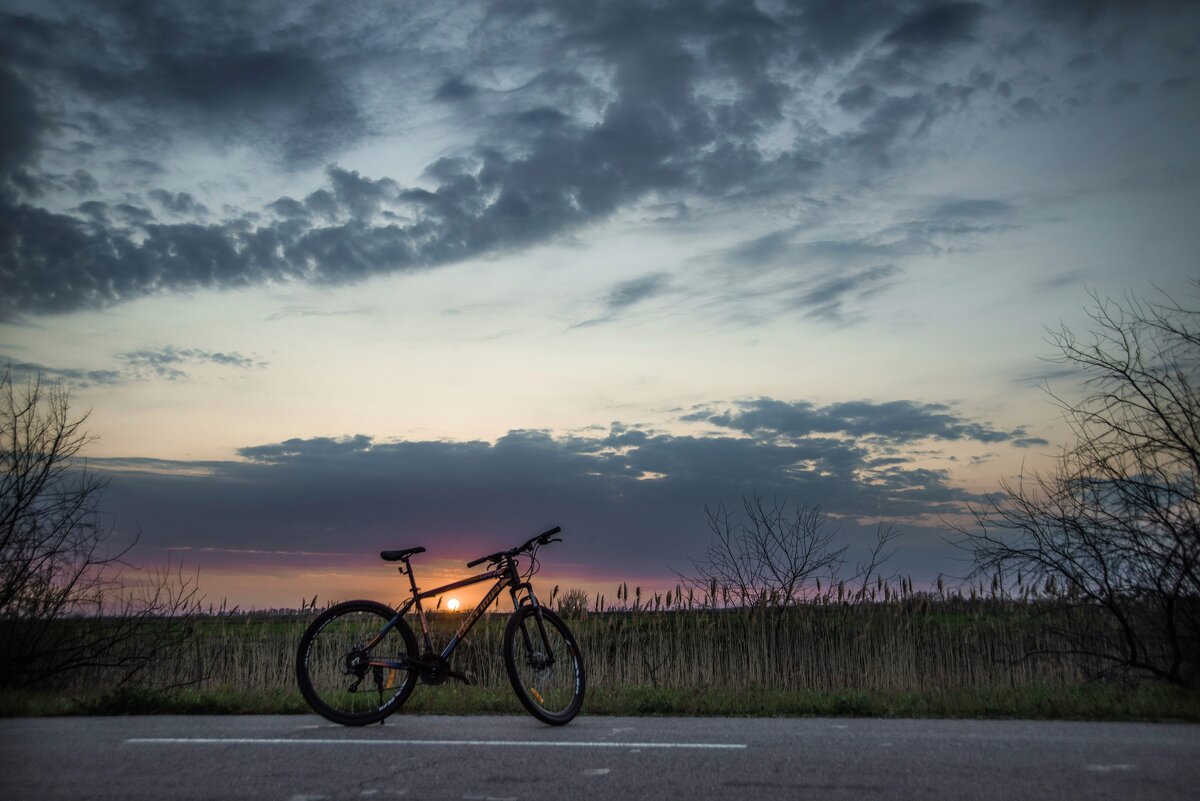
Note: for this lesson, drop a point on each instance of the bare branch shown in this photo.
(65, 602)
(1116, 522)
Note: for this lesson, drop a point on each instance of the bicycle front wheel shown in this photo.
(544, 665)
(333, 663)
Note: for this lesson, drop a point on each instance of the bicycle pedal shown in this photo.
(466, 677)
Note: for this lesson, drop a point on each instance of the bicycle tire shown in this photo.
(326, 681)
(551, 689)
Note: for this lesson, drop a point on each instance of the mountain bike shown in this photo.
(358, 662)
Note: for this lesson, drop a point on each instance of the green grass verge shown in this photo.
(1087, 702)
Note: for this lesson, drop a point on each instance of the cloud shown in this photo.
(859, 98)
(20, 123)
(28, 371)
(937, 26)
(897, 122)
(454, 89)
(233, 72)
(637, 121)
(178, 203)
(828, 279)
(315, 447)
(626, 294)
(628, 497)
(313, 311)
(1030, 442)
(897, 422)
(567, 114)
(825, 299)
(920, 37)
(166, 362)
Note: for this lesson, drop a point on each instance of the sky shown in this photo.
(337, 277)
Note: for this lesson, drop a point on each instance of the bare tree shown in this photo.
(772, 553)
(67, 599)
(1116, 523)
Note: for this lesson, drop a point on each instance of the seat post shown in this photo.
(412, 580)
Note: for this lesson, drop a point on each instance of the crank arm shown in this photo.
(467, 677)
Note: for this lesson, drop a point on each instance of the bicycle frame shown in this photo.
(506, 575)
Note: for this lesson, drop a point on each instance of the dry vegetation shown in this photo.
(944, 653)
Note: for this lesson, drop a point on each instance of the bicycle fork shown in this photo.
(531, 600)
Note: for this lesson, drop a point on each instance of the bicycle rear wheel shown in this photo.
(544, 665)
(333, 670)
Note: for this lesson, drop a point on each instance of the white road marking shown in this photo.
(595, 772)
(1109, 768)
(517, 743)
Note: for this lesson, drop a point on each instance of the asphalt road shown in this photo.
(303, 758)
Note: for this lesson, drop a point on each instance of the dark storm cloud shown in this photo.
(938, 26)
(897, 122)
(20, 122)
(832, 30)
(57, 262)
(84, 184)
(859, 98)
(621, 103)
(454, 89)
(628, 496)
(901, 421)
(1088, 12)
(178, 203)
(918, 38)
(234, 72)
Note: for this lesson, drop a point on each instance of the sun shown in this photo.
(452, 604)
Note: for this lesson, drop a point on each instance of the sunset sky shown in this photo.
(337, 277)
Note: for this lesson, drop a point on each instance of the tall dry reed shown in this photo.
(906, 643)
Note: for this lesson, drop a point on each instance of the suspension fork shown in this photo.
(531, 600)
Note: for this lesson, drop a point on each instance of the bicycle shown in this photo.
(356, 639)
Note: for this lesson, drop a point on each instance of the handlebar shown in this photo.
(541, 539)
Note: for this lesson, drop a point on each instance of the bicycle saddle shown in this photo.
(396, 556)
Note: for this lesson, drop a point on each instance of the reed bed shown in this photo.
(902, 645)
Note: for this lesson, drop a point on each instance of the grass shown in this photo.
(902, 658)
(1086, 702)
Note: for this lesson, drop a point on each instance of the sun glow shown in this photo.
(452, 604)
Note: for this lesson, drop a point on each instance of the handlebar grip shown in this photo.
(549, 533)
(478, 561)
